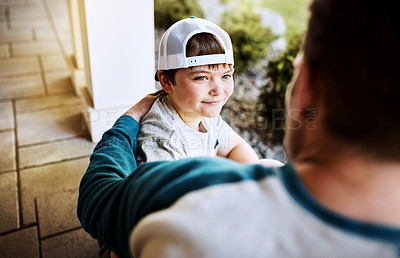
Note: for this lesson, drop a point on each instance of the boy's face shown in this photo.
(201, 91)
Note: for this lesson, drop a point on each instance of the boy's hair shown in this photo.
(353, 48)
(198, 45)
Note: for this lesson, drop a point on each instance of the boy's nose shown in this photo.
(216, 89)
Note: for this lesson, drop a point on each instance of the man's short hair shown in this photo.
(353, 48)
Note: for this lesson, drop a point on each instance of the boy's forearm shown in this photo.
(243, 153)
(238, 150)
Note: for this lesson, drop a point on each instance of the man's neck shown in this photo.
(356, 186)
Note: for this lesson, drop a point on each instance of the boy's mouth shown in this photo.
(212, 102)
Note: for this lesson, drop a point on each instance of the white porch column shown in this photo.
(78, 76)
(117, 50)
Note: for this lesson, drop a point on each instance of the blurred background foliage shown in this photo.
(294, 13)
(271, 102)
(167, 12)
(250, 39)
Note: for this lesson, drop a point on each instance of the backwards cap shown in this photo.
(172, 52)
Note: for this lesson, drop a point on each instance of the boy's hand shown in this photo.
(140, 109)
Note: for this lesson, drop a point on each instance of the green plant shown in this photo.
(250, 38)
(272, 98)
(167, 12)
(294, 12)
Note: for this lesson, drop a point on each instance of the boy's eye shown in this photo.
(200, 78)
(226, 76)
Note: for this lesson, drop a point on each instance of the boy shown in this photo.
(195, 70)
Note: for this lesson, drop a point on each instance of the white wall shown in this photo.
(120, 46)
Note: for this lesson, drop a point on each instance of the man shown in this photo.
(338, 197)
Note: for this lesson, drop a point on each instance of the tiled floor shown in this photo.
(44, 143)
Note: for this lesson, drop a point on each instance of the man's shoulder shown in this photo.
(244, 207)
(236, 193)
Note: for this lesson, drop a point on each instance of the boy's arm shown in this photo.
(238, 149)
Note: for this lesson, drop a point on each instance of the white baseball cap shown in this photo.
(172, 52)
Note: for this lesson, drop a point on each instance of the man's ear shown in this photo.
(165, 82)
(306, 92)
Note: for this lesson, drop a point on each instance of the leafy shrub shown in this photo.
(272, 98)
(167, 12)
(250, 38)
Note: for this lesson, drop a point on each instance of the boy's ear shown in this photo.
(165, 82)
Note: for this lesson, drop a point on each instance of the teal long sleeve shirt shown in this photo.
(115, 196)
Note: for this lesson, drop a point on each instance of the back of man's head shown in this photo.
(353, 48)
